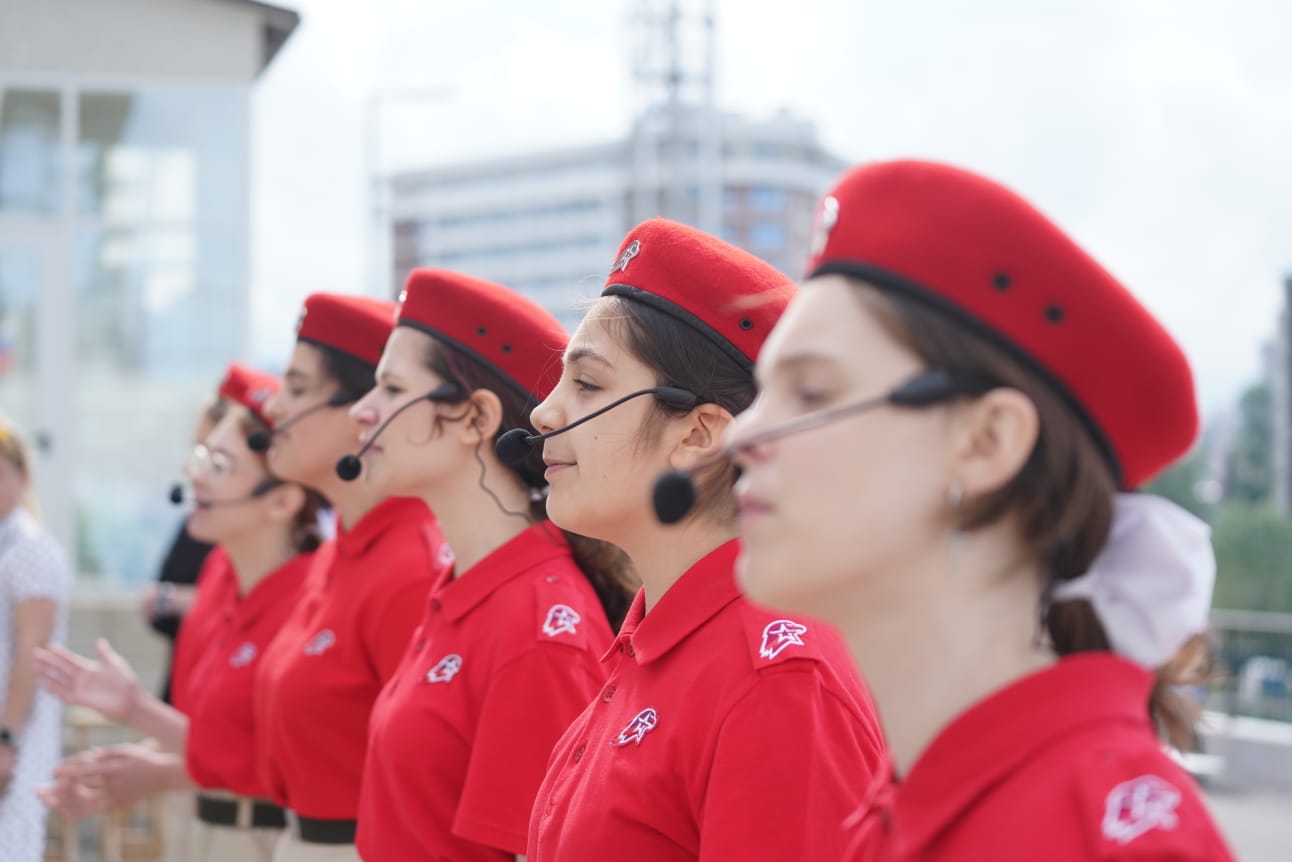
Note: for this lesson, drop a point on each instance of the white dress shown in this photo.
(32, 566)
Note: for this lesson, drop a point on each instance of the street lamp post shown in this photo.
(379, 258)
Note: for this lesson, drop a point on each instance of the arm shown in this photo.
(110, 686)
(103, 779)
(33, 625)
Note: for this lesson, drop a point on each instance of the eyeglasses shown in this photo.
(205, 461)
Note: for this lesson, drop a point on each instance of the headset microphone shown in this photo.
(349, 466)
(674, 493)
(259, 441)
(515, 446)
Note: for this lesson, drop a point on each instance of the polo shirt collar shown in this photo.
(356, 541)
(1005, 731)
(702, 591)
(276, 587)
(457, 596)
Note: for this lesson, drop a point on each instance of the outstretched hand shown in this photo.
(108, 685)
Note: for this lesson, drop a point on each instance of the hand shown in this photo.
(102, 779)
(108, 685)
(8, 755)
(69, 798)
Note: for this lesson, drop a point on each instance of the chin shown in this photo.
(772, 582)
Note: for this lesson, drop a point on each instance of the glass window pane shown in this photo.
(29, 151)
(173, 155)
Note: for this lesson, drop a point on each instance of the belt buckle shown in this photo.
(246, 810)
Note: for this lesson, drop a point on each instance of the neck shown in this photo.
(350, 500)
(661, 555)
(257, 555)
(471, 521)
(945, 636)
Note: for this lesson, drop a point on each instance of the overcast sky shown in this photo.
(1159, 132)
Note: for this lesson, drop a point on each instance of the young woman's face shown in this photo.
(602, 472)
(307, 451)
(223, 468)
(830, 512)
(411, 453)
(13, 484)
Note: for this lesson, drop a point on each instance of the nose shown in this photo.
(365, 411)
(741, 435)
(273, 407)
(548, 414)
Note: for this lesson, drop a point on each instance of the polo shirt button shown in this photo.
(436, 604)
(578, 753)
(419, 646)
(628, 648)
(551, 579)
(609, 694)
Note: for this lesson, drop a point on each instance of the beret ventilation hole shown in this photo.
(746, 324)
(480, 331)
(1000, 281)
(1054, 314)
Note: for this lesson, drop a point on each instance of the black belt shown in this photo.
(224, 812)
(326, 831)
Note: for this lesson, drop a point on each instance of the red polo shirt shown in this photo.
(1062, 765)
(318, 680)
(221, 748)
(507, 656)
(724, 732)
(217, 590)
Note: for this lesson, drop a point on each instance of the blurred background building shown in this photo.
(124, 205)
(549, 223)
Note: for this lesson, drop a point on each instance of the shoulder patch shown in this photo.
(773, 640)
(1134, 796)
(1136, 806)
(561, 615)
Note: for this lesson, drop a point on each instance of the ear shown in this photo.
(284, 502)
(483, 418)
(701, 437)
(996, 434)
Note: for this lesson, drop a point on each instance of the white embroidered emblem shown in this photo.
(827, 218)
(260, 396)
(643, 723)
(561, 619)
(445, 669)
(320, 643)
(781, 634)
(1134, 807)
(446, 555)
(631, 251)
(243, 655)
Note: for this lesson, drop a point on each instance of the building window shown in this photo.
(30, 161)
(768, 199)
(766, 237)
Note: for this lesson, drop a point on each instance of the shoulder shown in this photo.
(775, 642)
(562, 607)
(1134, 801)
(34, 554)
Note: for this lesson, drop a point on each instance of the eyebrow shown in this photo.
(580, 353)
(296, 376)
(793, 361)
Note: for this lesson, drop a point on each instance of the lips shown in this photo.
(555, 465)
(750, 506)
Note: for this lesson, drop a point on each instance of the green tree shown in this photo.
(1251, 460)
(1180, 485)
(1254, 558)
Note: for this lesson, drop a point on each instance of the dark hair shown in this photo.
(1061, 501)
(682, 357)
(305, 525)
(214, 409)
(352, 375)
(607, 568)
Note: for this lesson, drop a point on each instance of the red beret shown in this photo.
(357, 325)
(507, 332)
(980, 252)
(249, 387)
(726, 294)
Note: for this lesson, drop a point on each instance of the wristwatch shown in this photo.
(7, 738)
